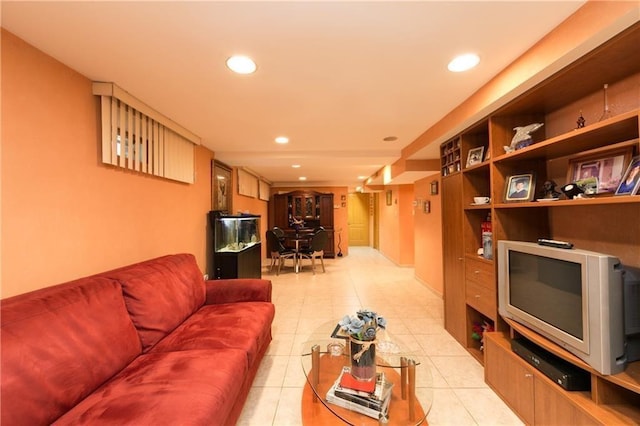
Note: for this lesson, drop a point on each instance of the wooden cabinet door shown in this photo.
(280, 211)
(509, 376)
(326, 210)
(453, 265)
(552, 407)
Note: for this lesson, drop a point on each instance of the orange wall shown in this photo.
(340, 225)
(428, 231)
(64, 214)
(396, 225)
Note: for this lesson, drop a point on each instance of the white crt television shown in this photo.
(574, 298)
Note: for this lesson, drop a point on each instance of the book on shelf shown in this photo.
(373, 404)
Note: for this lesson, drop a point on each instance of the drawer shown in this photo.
(481, 298)
(479, 272)
(480, 287)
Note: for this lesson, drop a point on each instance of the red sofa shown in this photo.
(148, 344)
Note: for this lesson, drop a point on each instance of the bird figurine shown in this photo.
(522, 137)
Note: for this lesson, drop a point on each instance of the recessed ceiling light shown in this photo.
(463, 62)
(390, 139)
(282, 139)
(295, 166)
(302, 178)
(361, 177)
(241, 64)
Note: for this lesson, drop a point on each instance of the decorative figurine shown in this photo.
(581, 121)
(549, 190)
(522, 138)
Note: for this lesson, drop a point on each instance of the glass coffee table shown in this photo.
(323, 359)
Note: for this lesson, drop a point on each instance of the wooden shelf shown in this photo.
(600, 224)
(620, 199)
(607, 132)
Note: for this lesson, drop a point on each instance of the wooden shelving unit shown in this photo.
(604, 223)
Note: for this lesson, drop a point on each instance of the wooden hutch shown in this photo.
(313, 208)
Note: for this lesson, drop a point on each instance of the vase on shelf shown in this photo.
(363, 359)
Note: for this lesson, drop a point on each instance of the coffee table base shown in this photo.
(314, 413)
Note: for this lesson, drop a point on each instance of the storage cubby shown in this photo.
(476, 319)
(450, 157)
(474, 217)
(476, 183)
(605, 223)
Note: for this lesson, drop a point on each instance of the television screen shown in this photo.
(549, 289)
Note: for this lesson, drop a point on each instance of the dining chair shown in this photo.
(279, 232)
(316, 249)
(278, 252)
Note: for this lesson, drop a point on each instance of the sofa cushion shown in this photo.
(172, 388)
(245, 326)
(59, 344)
(160, 293)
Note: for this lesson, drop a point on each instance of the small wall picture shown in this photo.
(426, 207)
(434, 187)
(630, 183)
(475, 156)
(519, 188)
(389, 196)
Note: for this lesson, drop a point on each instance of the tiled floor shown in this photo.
(414, 313)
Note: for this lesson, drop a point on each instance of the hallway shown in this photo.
(414, 313)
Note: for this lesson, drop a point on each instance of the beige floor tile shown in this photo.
(448, 410)
(460, 371)
(486, 407)
(289, 412)
(454, 386)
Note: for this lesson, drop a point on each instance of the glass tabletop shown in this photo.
(392, 397)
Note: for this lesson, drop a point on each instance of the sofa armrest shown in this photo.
(238, 290)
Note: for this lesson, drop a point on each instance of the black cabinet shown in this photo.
(242, 264)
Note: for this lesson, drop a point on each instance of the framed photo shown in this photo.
(630, 182)
(475, 156)
(426, 207)
(220, 187)
(607, 166)
(434, 187)
(519, 188)
(389, 196)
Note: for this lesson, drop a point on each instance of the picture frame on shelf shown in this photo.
(519, 188)
(607, 165)
(475, 156)
(630, 182)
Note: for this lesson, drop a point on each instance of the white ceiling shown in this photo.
(335, 77)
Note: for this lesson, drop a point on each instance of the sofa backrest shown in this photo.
(59, 344)
(160, 294)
